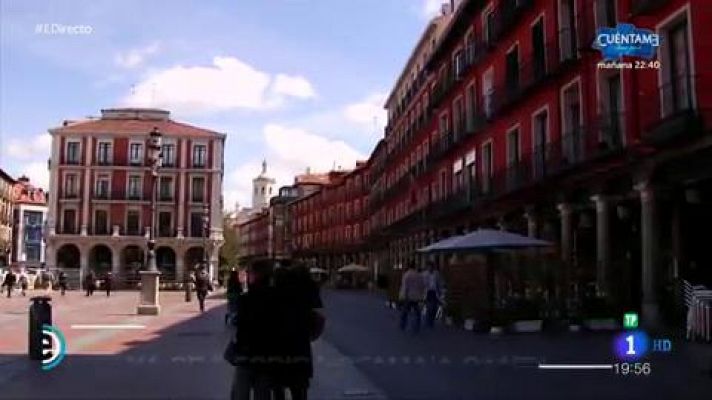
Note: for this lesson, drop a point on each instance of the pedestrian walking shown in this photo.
(411, 295)
(433, 293)
(9, 282)
(62, 282)
(23, 283)
(90, 283)
(108, 282)
(202, 287)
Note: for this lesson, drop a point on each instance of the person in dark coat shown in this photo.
(90, 283)
(202, 287)
(24, 283)
(9, 282)
(108, 282)
(62, 279)
(233, 292)
(299, 323)
(255, 337)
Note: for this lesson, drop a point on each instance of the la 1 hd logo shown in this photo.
(54, 347)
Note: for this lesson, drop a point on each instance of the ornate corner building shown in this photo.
(100, 208)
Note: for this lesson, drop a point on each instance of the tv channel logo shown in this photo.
(54, 347)
(626, 40)
(631, 345)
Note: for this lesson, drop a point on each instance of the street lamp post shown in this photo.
(148, 303)
(206, 232)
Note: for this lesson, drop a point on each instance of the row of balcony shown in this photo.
(128, 196)
(126, 163)
(118, 231)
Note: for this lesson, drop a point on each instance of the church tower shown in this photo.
(263, 189)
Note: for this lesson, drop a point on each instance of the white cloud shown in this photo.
(29, 157)
(295, 86)
(363, 112)
(228, 84)
(431, 8)
(133, 58)
(37, 172)
(30, 148)
(288, 151)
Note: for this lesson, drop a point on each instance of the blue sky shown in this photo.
(298, 82)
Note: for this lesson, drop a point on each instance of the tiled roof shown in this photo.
(321, 179)
(134, 126)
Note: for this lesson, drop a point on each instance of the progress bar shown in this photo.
(575, 366)
(128, 326)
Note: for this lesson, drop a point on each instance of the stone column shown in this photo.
(53, 217)
(603, 243)
(532, 223)
(180, 265)
(181, 186)
(650, 254)
(83, 264)
(566, 241)
(115, 261)
(87, 186)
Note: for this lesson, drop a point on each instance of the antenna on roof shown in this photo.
(133, 90)
(333, 166)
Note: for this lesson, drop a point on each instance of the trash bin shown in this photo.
(40, 314)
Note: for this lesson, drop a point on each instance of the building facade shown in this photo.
(6, 185)
(101, 184)
(29, 217)
(513, 125)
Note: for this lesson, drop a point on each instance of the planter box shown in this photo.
(601, 324)
(469, 324)
(526, 326)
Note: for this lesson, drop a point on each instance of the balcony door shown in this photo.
(572, 138)
(540, 140)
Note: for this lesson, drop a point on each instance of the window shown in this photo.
(572, 138)
(487, 164)
(567, 33)
(488, 92)
(512, 74)
(677, 94)
(71, 189)
(69, 223)
(196, 224)
(165, 188)
(103, 153)
(489, 27)
(101, 222)
(165, 227)
(133, 222)
(458, 115)
(72, 156)
(538, 50)
(135, 153)
(32, 227)
(134, 192)
(443, 124)
(199, 155)
(606, 13)
(101, 188)
(540, 141)
(470, 99)
(198, 189)
(459, 61)
(513, 158)
(168, 155)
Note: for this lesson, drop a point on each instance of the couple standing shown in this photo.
(276, 322)
(416, 288)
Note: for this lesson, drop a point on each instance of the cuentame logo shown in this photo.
(626, 40)
(54, 347)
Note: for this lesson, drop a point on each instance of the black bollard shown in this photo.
(40, 314)
(188, 294)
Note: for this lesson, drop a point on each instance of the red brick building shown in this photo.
(502, 118)
(100, 180)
